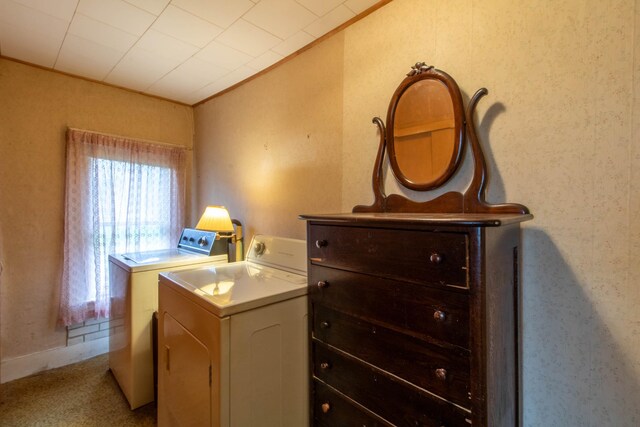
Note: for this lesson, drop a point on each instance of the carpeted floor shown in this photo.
(82, 394)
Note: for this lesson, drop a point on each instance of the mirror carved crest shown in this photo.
(427, 128)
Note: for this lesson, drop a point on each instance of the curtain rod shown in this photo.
(147, 141)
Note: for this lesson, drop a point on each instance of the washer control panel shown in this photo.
(279, 252)
(197, 241)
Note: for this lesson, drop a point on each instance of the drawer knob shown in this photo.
(435, 258)
(321, 243)
(439, 315)
(441, 373)
(323, 284)
(325, 325)
(325, 407)
(325, 365)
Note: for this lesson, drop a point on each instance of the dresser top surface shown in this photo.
(439, 219)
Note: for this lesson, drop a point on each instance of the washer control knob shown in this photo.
(259, 248)
(203, 241)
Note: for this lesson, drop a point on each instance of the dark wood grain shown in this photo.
(392, 253)
(341, 411)
(390, 397)
(380, 325)
(405, 356)
(502, 370)
(438, 316)
(411, 220)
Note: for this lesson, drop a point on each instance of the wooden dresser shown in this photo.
(414, 319)
(414, 305)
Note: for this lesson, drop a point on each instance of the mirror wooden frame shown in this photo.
(472, 199)
(418, 73)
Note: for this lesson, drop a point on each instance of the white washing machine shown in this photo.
(232, 341)
(133, 282)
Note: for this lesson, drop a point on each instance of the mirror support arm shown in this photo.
(476, 189)
(377, 180)
(473, 197)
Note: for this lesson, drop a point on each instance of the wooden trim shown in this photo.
(53, 70)
(517, 322)
(397, 219)
(298, 52)
(478, 326)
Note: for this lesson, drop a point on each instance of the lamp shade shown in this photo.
(215, 218)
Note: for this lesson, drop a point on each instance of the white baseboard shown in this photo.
(23, 366)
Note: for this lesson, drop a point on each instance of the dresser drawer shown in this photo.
(437, 258)
(390, 398)
(440, 370)
(440, 314)
(332, 409)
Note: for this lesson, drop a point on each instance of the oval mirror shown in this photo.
(425, 129)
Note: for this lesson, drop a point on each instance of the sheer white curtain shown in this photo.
(122, 195)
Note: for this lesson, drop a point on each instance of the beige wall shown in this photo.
(559, 126)
(271, 149)
(36, 106)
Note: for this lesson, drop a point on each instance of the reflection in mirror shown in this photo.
(424, 131)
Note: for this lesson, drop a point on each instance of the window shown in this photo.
(122, 195)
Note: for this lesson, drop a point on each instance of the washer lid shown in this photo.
(240, 286)
(157, 256)
(163, 259)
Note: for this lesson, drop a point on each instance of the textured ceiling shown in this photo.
(183, 50)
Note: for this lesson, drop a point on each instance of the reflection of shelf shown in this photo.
(423, 128)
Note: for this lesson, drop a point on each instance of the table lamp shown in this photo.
(216, 218)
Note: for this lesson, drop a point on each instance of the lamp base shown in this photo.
(221, 247)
